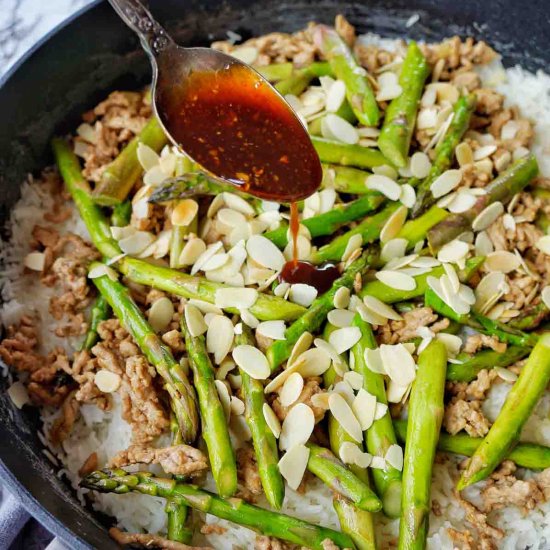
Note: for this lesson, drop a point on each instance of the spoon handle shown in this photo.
(154, 38)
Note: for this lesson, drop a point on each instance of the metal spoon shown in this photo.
(262, 147)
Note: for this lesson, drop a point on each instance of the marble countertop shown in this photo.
(24, 22)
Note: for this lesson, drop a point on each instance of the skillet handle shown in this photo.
(153, 37)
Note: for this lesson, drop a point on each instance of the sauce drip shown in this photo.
(294, 230)
(234, 126)
(319, 276)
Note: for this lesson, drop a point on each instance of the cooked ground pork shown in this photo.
(177, 460)
(247, 471)
(271, 543)
(213, 528)
(475, 342)
(149, 541)
(465, 415)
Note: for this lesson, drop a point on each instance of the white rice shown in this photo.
(106, 432)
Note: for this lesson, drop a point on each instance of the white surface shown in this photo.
(24, 22)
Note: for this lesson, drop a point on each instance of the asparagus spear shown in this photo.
(121, 175)
(516, 410)
(400, 118)
(345, 179)
(266, 308)
(502, 189)
(100, 312)
(157, 353)
(444, 152)
(525, 455)
(347, 155)
(276, 71)
(214, 422)
(425, 416)
(238, 511)
(299, 80)
(391, 295)
(314, 316)
(265, 444)
(122, 213)
(530, 317)
(471, 366)
(329, 222)
(415, 230)
(380, 436)
(358, 90)
(329, 469)
(369, 229)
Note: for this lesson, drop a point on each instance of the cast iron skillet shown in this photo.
(92, 53)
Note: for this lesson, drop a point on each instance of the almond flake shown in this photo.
(369, 316)
(219, 337)
(385, 170)
(396, 280)
(384, 185)
(313, 362)
(344, 339)
(354, 243)
(506, 375)
(136, 243)
(184, 212)
(543, 244)
(160, 314)
(302, 344)
(320, 400)
(272, 329)
(354, 379)
(252, 361)
(35, 261)
(381, 410)
(281, 289)
(238, 203)
(246, 54)
(420, 165)
(293, 465)
(462, 202)
(502, 260)
(545, 296)
(237, 406)
(407, 196)
(340, 317)
(239, 298)
(484, 152)
(230, 218)
(483, 244)
(394, 456)
(489, 290)
(339, 129)
(380, 308)
(364, 407)
(345, 417)
(226, 366)
(225, 398)
(329, 351)
(374, 362)
(398, 363)
(100, 270)
(291, 390)
(271, 420)
(192, 251)
(302, 294)
(394, 248)
(341, 298)
(393, 224)
(215, 262)
(210, 251)
(452, 342)
(194, 320)
(487, 216)
(265, 253)
(464, 154)
(297, 426)
(348, 452)
(425, 262)
(107, 381)
(18, 394)
(453, 252)
(336, 95)
(446, 182)
(396, 392)
(378, 463)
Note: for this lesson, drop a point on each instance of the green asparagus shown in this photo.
(345, 179)
(415, 230)
(329, 469)
(530, 317)
(400, 118)
(276, 71)
(425, 416)
(444, 152)
(525, 455)
(238, 511)
(471, 366)
(380, 436)
(314, 316)
(299, 79)
(501, 189)
(336, 152)
(177, 516)
(265, 444)
(122, 213)
(329, 222)
(358, 89)
(100, 312)
(517, 408)
(158, 354)
(121, 175)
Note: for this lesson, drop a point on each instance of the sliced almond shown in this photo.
(335, 96)
(18, 394)
(246, 54)
(219, 337)
(364, 407)
(487, 216)
(484, 152)
(354, 243)
(345, 417)
(506, 375)
(194, 320)
(489, 290)
(272, 329)
(381, 410)
(340, 317)
(265, 253)
(446, 182)
(380, 308)
(293, 465)
(341, 298)
(369, 316)
(230, 218)
(393, 224)
(374, 362)
(394, 456)
(345, 338)
(302, 344)
(462, 202)
(407, 196)
(160, 314)
(272, 420)
(395, 392)
(464, 154)
(252, 361)
(192, 251)
(394, 248)
(453, 251)
(225, 398)
(35, 261)
(398, 363)
(396, 280)
(107, 381)
(483, 244)
(545, 296)
(184, 212)
(136, 243)
(384, 185)
(101, 270)
(386, 170)
(210, 251)
(302, 294)
(291, 390)
(502, 260)
(420, 165)
(339, 129)
(543, 244)
(239, 298)
(313, 362)
(297, 426)
(354, 379)
(237, 406)
(226, 366)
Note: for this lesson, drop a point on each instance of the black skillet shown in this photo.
(92, 53)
